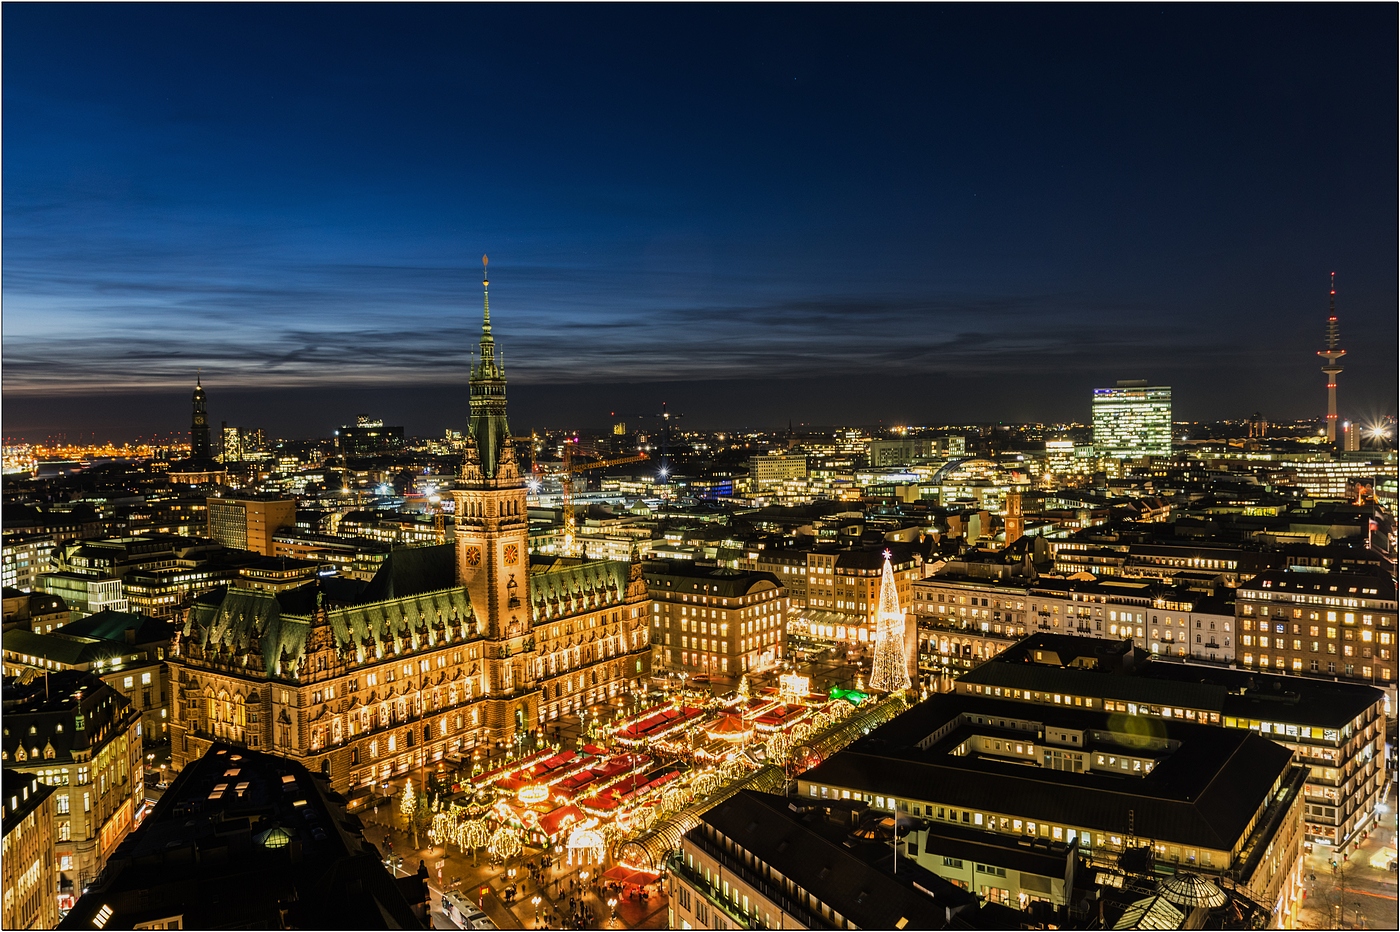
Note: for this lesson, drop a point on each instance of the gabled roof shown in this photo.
(249, 621)
(685, 576)
(245, 840)
(53, 706)
(403, 618)
(566, 589)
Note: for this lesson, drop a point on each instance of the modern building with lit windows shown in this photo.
(1336, 729)
(248, 522)
(1133, 419)
(1078, 776)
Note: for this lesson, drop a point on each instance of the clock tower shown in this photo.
(493, 560)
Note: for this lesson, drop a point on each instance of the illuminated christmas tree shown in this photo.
(889, 672)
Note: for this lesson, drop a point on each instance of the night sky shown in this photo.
(819, 213)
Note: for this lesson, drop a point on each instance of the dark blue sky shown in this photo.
(824, 213)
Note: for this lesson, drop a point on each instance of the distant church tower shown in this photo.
(199, 425)
(493, 560)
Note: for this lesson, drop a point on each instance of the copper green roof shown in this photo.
(402, 621)
(567, 588)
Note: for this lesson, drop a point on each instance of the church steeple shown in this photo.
(199, 424)
(488, 428)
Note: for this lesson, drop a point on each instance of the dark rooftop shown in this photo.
(246, 840)
(686, 576)
(109, 625)
(1204, 792)
(23, 793)
(794, 837)
(1108, 669)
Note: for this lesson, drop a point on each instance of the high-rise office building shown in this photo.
(247, 522)
(765, 472)
(1133, 419)
(368, 437)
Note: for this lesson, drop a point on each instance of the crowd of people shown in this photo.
(567, 902)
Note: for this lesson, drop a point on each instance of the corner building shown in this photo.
(450, 651)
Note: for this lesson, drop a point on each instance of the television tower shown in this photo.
(1331, 355)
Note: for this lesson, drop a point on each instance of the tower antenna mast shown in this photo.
(1330, 355)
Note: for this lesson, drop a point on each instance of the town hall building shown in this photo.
(451, 651)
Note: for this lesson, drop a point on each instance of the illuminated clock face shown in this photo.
(473, 556)
(512, 554)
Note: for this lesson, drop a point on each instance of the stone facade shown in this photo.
(450, 650)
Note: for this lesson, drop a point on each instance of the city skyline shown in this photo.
(984, 232)
(880, 479)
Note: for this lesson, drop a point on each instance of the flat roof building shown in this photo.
(1133, 419)
(1209, 800)
(763, 861)
(248, 522)
(1336, 729)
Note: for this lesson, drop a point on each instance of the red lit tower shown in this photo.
(1331, 355)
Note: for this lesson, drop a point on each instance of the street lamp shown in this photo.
(536, 900)
(612, 905)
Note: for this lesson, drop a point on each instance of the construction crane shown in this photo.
(664, 424)
(566, 483)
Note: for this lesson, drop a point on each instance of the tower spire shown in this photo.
(488, 426)
(199, 423)
(1330, 355)
(485, 301)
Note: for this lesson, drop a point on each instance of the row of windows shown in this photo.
(1314, 666)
